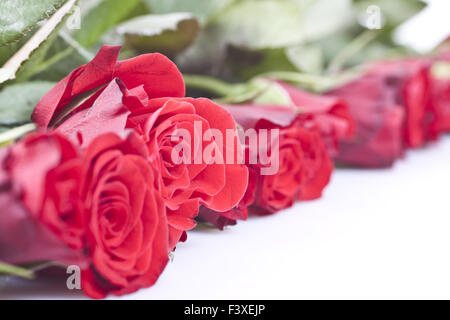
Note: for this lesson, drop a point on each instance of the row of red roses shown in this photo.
(367, 122)
(96, 186)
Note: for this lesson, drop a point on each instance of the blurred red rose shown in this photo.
(390, 105)
(379, 122)
(407, 83)
(41, 218)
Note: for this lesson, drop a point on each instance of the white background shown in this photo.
(374, 234)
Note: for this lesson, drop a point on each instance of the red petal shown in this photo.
(248, 116)
(107, 114)
(159, 76)
(87, 77)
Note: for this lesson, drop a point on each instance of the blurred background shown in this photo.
(233, 40)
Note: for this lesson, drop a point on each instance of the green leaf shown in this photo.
(103, 17)
(8, 51)
(165, 33)
(255, 25)
(242, 25)
(10, 68)
(17, 101)
(306, 58)
(261, 24)
(379, 49)
(324, 17)
(28, 68)
(351, 50)
(204, 10)
(249, 63)
(60, 60)
(19, 17)
(66, 61)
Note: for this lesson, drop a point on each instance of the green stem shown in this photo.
(53, 60)
(311, 81)
(317, 83)
(77, 46)
(357, 44)
(209, 84)
(73, 46)
(12, 270)
(17, 132)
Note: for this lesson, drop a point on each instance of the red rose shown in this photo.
(304, 164)
(41, 217)
(310, 129)
(185, 185)
(406, 82)
(58, 205)
(380, 123)
(390, 104)
(330, 114)
(129, 94)
(126, 224)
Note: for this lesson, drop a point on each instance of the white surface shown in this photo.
(374, 234)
